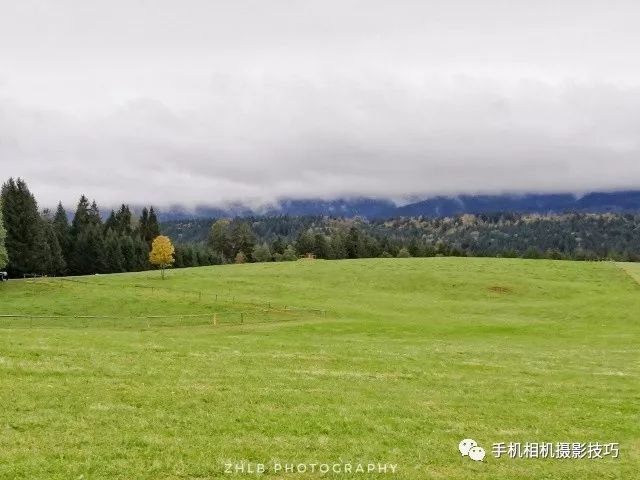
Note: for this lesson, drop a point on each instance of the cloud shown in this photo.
(216, 104)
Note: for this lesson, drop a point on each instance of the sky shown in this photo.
(204, 102)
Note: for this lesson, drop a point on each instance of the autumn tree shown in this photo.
(162, 253)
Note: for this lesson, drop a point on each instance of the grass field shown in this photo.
(410, 357)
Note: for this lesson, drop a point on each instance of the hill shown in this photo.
(439, 206)
(411, 356)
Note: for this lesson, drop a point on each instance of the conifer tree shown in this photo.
(4, 258)
(114, 258)
(61, 229)
(87, 238)
(153, 227)
(110, 223)
(123, 221)
(130, 262)
(141, 254)
(25, 240)
(53, 257)
(143, 223)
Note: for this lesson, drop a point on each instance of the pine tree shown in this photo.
(122, 220)
(87, 238)
(143, 224)
(4, 258)
(321, 246)
(54, 263)
(179, 263)
(62, 231)
(130, 261)
(111, 223)
(25, 238)
(141, 254)
(81, 217)
(153, 227)
(114, 259)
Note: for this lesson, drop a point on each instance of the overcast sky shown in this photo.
(207, 102)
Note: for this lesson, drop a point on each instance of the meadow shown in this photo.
(380, 360)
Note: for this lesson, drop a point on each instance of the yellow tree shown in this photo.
(162, 253)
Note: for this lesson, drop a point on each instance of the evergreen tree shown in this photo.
(62, 231)
(81, 217)
(54, 262)
(114, 259)
(130, 259)
(143, 224)
(352, 244)
(4, 257)
(178, 263)
(25, 240)
(321, 246)
(122, 221)
(111, 223)
(338, 246)
(87, 238)
(141, 254)
(153, 227)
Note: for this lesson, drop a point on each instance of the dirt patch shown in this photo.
(500, 289)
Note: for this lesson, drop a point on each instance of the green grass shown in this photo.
(412, 356)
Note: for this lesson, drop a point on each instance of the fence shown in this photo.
(201, 295)
(213, 319)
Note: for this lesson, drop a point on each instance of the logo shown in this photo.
(469, 448)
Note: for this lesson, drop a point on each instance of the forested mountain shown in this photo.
(572, 236)
(441, 206)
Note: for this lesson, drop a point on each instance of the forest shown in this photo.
(44, 242)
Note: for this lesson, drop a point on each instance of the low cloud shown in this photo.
(256, 140)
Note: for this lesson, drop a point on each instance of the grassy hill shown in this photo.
(385, 361)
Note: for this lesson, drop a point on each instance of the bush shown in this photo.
(404, 253)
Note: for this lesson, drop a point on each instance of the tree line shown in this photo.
(570, 236)
(34, 242)
(44, 242)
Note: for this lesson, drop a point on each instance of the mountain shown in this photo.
(596, 202)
